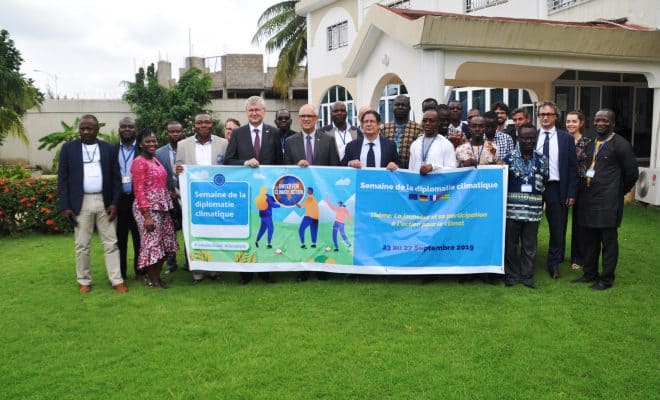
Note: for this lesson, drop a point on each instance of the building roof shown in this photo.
(619, 23)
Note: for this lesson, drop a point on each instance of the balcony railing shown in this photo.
(474, 5)
(559, 5)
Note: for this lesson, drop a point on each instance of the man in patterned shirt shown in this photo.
(402, 131)
(502, 141)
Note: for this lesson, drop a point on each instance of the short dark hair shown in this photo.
(234, 120)
(520, 110)
(90, 116)
(527, 125)
(548, 103)
(500, 104)
(429, 100)
(174, 122)
(490, 115)
(372, 112)
(144, 132)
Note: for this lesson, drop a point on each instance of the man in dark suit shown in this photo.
(310, 147)
(167, 157)
(372, 150)
(252, 145)
(255, 143)
(88, 187)
(612, 172)
(340, 128)
(559, 147)
(126, 152)
(324, 150)
(283, 123)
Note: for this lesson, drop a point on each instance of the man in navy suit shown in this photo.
(126, 152)
(89, 184)
(252, 145)
(560, 190)
(167, 157)
(372, 150)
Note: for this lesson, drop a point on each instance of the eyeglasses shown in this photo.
(455, 108)
(283, 118)
(543, 115)
(301, 116)
(428, 120)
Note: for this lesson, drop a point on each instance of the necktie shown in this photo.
(309, 153)
(371, 156)
(257, 143)
(546, 145)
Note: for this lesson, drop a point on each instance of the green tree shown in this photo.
(155, 105)
(286, 32)
(17, 93)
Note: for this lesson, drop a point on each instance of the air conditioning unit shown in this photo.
(647, 189)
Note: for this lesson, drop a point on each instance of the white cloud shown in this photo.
(343, 182)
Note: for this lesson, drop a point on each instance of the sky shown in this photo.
(86, 49)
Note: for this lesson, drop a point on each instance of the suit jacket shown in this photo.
(163, 155)
(186, 150)
(240, 147)
(601, 203)
(70, 175)
(325, 149)
(353, 131)
(568, 170)
(511, 131)
(388, 152)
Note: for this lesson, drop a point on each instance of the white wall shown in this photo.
(328, 62)
(641, 12)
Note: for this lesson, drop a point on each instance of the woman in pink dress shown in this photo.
(151, 209)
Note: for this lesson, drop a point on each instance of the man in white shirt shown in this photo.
(432, 152)
(341, 129)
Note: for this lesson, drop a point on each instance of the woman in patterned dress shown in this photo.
(574, 126)
(151, 209)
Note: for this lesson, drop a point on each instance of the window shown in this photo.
(338, 35)
(556, 5)
(400, 4)
(474, 5)
(337, 93)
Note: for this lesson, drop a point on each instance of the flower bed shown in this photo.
(30, 205)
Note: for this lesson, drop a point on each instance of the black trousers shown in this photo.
(526, 234)
(608, 238)
(577, 240)
(557, 214)
(125, 224)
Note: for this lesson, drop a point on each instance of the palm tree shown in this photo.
(287, 32)
(17, 94)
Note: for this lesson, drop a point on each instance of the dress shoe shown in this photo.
(322, 276)
(269, 246)
(302, 276)
(600, 285)
(256, 244)
(197, 281)
(120, 288)
(510, 282)
(85, 288)
(583, 279)
(529, 285)
(429, 279)
(215, 276)
(244, 280)
(553, 272)
(303, 246)
(313, 245)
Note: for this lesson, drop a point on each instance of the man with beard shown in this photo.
(340, 129)
(402, 131)
(126, 152)
(432, 152)
(612, 173)
(167, 157)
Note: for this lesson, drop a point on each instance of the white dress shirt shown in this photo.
(554, 151)
(440, 154)
(365, 150)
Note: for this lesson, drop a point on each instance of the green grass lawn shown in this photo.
(347, 338)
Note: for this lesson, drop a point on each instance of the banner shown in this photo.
(338, 219)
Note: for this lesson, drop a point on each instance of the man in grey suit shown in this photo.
(167, 157)
(201, 149)
(310, 147)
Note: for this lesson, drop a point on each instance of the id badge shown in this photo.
(526, 188)
(126, 179)
(590, 173)
(219, 159)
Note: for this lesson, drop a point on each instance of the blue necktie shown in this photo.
(371, 157)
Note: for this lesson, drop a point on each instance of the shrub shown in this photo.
(13, 172)
(30, 205)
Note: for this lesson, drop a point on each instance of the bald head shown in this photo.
(308, 118)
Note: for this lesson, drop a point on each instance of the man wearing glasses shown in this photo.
(283, 123)
(559, 147)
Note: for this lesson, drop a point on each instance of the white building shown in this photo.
(583, 54)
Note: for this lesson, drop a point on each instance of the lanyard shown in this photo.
(342, 137)
(126, 158)
(90, 159)
(598, 148)
(425, 154)
(480, 152)
(282, 140)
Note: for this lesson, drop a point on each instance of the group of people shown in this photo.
(548, 167)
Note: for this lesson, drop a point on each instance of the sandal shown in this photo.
(575, 266)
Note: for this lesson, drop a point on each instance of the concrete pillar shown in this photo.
(164, 73)
(655, 130)
(430, 81)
